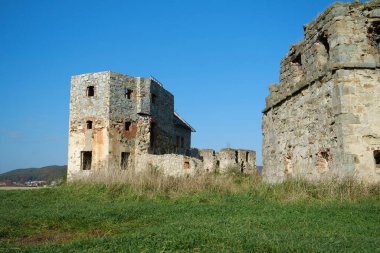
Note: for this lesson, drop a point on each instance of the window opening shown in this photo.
(127, 126)
(376, 156)
(86, 160)
(128, 93)
(374, 34)
(178, 141)
(182, 142)
(297, 60)
(324, 41)
(124, 160)
(89, 124)
(325, 156)
(90, 91)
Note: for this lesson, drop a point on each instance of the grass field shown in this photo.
(255, 217)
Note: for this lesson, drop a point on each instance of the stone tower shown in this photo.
(323, 119)
(115, 118)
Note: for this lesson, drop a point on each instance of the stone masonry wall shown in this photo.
(118, 122)
(97, 110)
(322, 119)
(225, 159)
(208, 161)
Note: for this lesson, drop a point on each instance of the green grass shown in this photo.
(259, 218)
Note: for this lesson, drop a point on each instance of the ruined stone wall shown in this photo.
(97, 110)
(225, 159)
(185, 134)
(125, 100)
(327, 96)
(360, 103)
(170, 164)
(208, 161)
(128, 123)
(162, 111)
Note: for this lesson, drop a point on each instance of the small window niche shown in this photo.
(246, 156)
(127, 126)
(376, 156)
(154, 98)
(374, 35)
(128, 93)
(124, 160)
(323, 39)
(90, 92)
(186, 165)
(323, 160)
(297, 60)
(86, 160)
(89, 124)
(322, 47)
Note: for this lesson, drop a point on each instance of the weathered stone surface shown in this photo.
(317, 120)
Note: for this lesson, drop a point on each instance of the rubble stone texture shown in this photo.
(323, 119)
(119, 122)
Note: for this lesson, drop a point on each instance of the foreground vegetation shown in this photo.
(204, 214)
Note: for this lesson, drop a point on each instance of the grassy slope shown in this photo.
(48, 173)
(96, 218)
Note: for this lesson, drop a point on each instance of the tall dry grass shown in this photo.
(153, 183)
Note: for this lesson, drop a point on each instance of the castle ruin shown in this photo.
(323, 119)
(119, 122)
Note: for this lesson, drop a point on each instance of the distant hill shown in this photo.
(48, 173)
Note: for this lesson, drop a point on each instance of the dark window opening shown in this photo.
(325, 155)
(90, 91)
(186, 165)
(374, 34)
(376, 156)
(217, 163)
(178, 141)
(154, 98)
(297, 60)
(213, 153)
(246, 156)
(152, 134)
(124, 160)
(324, 41)
(127, 126)
(182, 142)
(128, 93)
(236, 157)
(86, 160)
(89, 124)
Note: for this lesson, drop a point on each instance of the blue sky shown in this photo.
(216, 57)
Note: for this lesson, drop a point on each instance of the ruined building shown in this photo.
(323, 119)
(119, 122)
